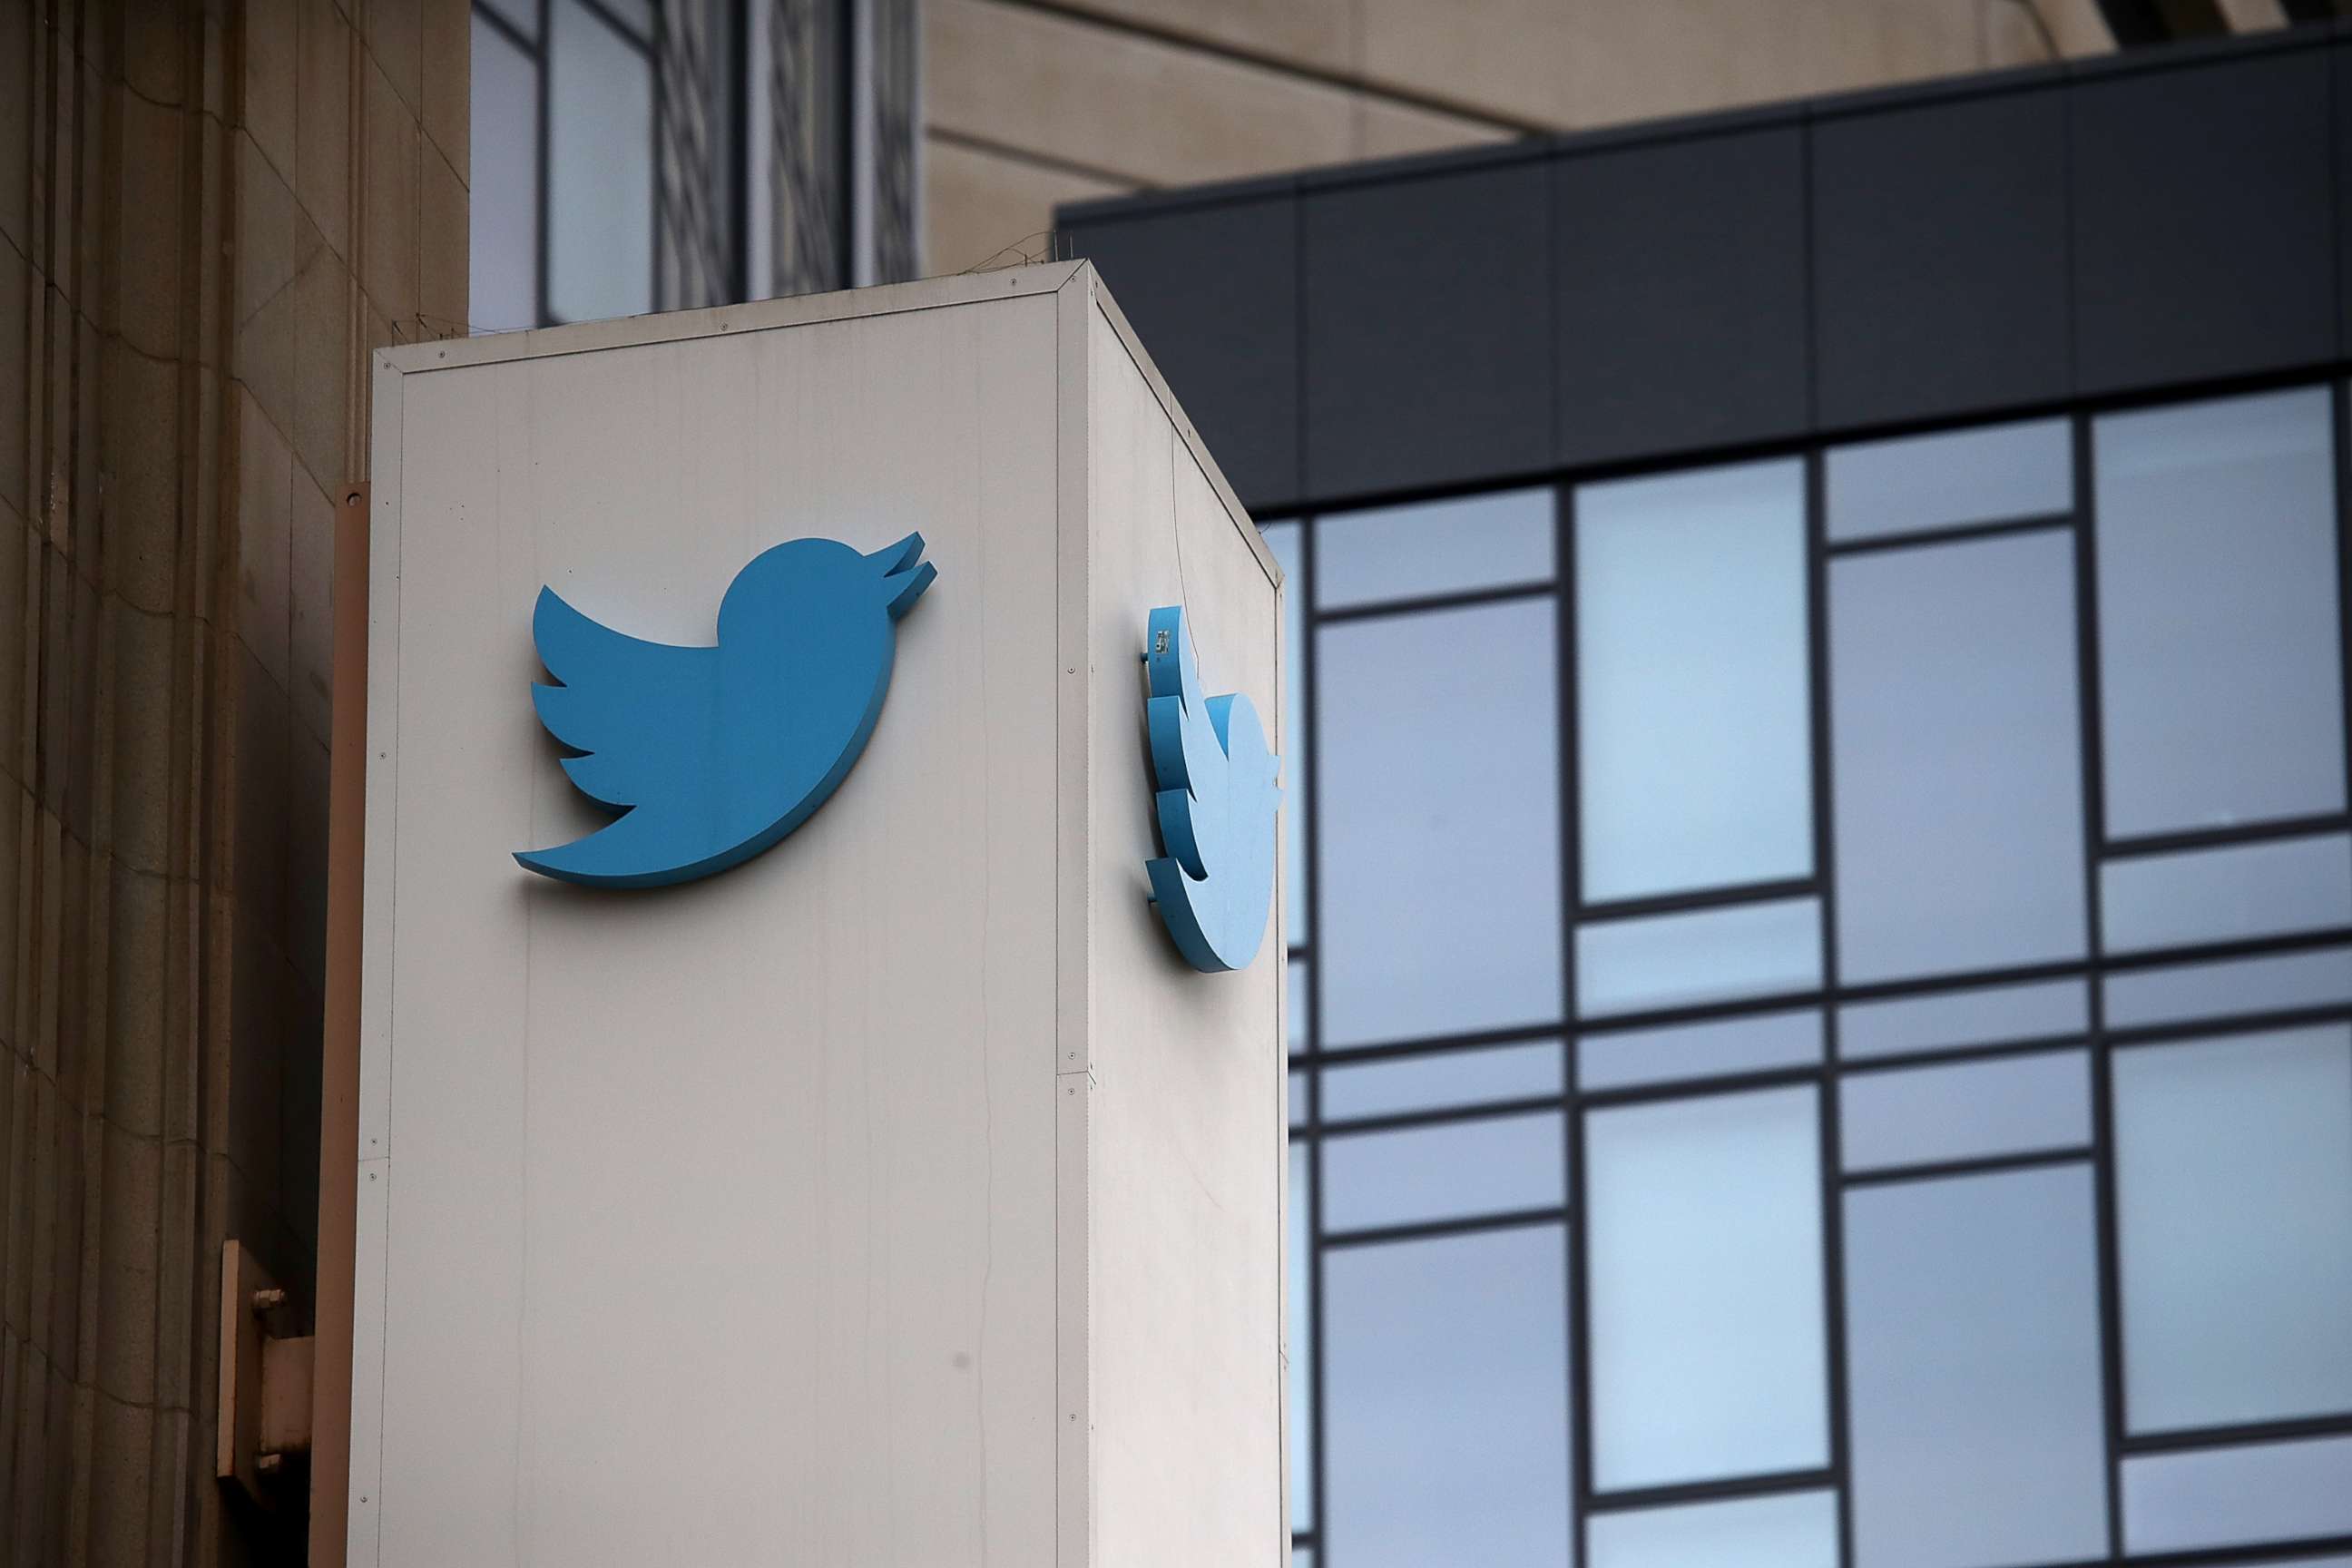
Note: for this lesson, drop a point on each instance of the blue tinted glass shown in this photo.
(600, 199)
(1979, 1016)
(1282, 539)
(1973, 1371)
(1702, 1223)
(2227, 1497)
(1433, 547)
(2185, 991)
(1714, 1050)
(1990, 474)
(1694, 716)
(1958, 766)
(1440, 1079)
(1439, 823)
(1490, 1165)
(502, 251)
(1795, 1531)
(1920, 1115)
(2219, 674)
(2234, 1222)
(1300, 1339)
(2154, 901)
(1447, 1370)
(1708, 956)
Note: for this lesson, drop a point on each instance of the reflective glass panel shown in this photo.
(2233, 1201)
(1447, 1362)
(1694, 716)
(1439, 822)
(1433, 547)
(1704, 1267)
(1958, 768)
(1712, 1049)
(2008, 1105)
(2187, 991)
(502, 250)
(1991, 474)
(522, 14)
(1707, 955)
(2220, 676)
(1299, 1099)
(1979, 1016)
(2227, 1497)
(1491, 1164)
(600, 257)
(1440, 1079)
(1798, 1529)
(1299, 997)
(1977, 1414)
(1301, 1339)
(2153, 902)
(1283, 540)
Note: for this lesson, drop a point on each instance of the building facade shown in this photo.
(1826, 886)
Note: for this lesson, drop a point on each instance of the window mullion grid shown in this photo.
(1577, 1328)
(1310, 858)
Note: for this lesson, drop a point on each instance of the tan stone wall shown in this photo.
(1028, 103)
(209, 210)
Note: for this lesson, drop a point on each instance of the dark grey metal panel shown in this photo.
(1939, 259)
(1428, 330)
(1681, 294)
(2203, 220)
(1213, 293)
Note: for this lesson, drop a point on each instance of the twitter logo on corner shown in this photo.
(713, 754)
(1215, 795)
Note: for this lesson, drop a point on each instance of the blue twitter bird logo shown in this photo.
(1216, 800)
(713, 754)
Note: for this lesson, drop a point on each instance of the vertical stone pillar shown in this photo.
(210, 210)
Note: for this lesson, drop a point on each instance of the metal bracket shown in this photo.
(265, 1381)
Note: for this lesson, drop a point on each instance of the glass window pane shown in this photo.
(1976, 1400)
(1704, 1264)
(502, 252)
(2010, 1105)
(1447, 1362)
(2228, 1496)
(600, 169)
(1439, 805)
(1301, 1339)
(2235, 986)
(1798, 1529)
(1979, 1016)
(1433, 547)
(1282, 539)
(1708, 955)
(1493, 1165)
(1694, 716)
(1957, 771)
(1440, 1079)
(1301, 1001)
(2220, 676)
(2233, 1201)
(1299, 1100)
(1994, 474)
(1699, 1050)
(2153, 902)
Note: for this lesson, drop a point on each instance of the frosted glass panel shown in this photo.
(503, 247)
(1440, 1079)
(2150, 902)
(2227, 1497)
(1433, 547)
(1699, 1050)
(2233, 1196)
(1439, 816)
(1708, 955)
(1489, 1165)
(1448, 1438)
(1693, 714)
(2234, 985)
(1282, 541)
(1979, 1016)
(600, 169)
(1301, 1339)
(1797, 1531)
(1973, 1371)
(1704, 1263)
(2219, 662)
(2010, 1105)
(1989, 475)
(1958, 745)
